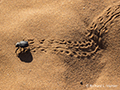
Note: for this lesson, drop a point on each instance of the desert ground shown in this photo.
(73, 44)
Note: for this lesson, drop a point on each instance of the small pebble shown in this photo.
(83, 8)
(81, 83)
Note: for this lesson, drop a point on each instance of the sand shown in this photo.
(73, 44)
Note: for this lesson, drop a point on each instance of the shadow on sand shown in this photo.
(25, 56)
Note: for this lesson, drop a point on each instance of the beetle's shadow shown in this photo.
(25, 56)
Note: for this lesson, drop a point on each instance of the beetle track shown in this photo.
(92, 43)
(63, 47)
(33, 46)
(77, 53)
(99, 26)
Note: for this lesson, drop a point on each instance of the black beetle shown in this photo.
(21, 44)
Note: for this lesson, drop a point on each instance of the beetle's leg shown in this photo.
(16, 49)
(27, 49)
(24, 49)
(20, 49)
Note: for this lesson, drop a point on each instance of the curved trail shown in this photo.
(93, 42)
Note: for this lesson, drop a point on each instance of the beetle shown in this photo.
(21, 44)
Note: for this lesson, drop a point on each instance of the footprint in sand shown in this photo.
(93, 42)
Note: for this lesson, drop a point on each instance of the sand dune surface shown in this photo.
(73, 44)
